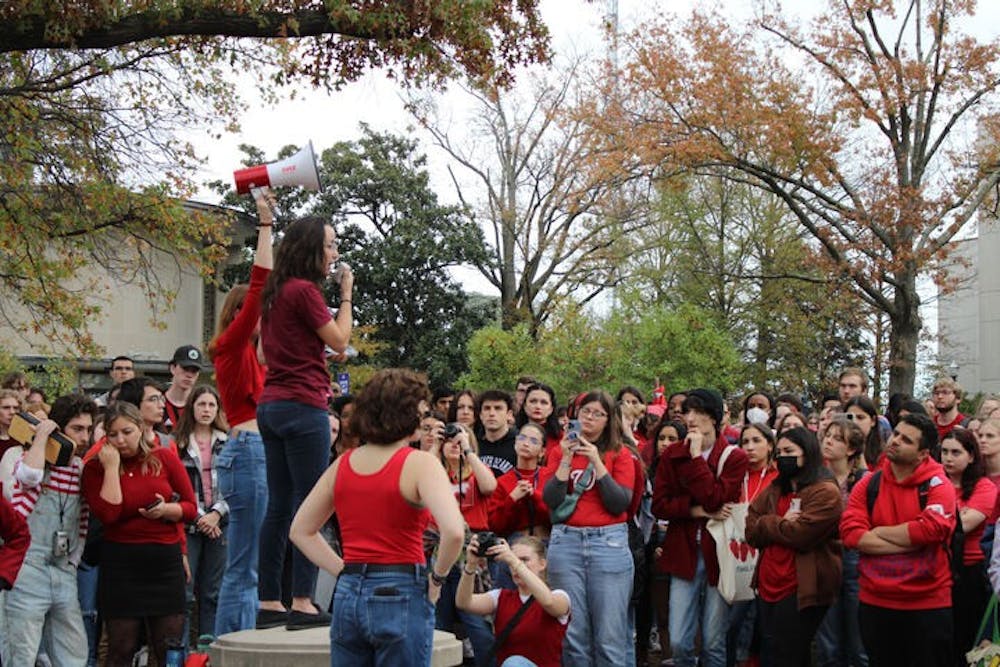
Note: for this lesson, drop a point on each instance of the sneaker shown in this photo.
(300, 620)
(269, 618)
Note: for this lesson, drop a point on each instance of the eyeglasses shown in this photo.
(527, 438)
(593, 414)
(158, 398)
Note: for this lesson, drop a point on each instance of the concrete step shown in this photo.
(277, 647)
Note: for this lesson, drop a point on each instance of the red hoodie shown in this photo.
(920, 579)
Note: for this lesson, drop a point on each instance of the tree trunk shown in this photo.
(904, 334)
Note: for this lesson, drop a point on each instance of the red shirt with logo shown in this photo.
(590, 509)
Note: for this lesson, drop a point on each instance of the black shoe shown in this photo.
(300, 620)
(269, 618)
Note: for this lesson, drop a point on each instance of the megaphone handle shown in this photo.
(256, 192)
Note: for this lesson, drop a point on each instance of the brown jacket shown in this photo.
(814, 537)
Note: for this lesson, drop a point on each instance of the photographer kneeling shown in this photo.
(531, 621)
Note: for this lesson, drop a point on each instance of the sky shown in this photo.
(326, 118)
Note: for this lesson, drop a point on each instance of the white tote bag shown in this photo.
(737, 559)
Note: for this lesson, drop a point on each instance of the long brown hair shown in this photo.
(129, 412)
(300, 254)
(186, 424)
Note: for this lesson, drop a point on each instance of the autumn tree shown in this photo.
(553, 230)
(864, 124)
(729, 249)
(97, 101)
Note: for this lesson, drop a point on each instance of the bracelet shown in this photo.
(469, 573)
(343, 301)
(438, 579)
(260, 224)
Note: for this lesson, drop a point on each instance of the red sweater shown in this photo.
(122, 522)
(16, 540)
(682, 483)
(919, 579)
(507, 516)
(238, 373)
(538, 636)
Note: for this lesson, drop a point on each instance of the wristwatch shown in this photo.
(438, 579)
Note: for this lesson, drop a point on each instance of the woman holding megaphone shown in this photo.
(296, 326)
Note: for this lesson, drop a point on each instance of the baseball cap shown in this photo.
(188, 356)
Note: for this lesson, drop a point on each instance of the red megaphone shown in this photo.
(298, 169)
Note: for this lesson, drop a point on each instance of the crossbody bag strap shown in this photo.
(507, 629)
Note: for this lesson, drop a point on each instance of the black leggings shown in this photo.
(787, 632)
(123, 637)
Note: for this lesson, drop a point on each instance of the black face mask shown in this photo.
(788, 466)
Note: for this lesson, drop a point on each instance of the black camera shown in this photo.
(486, 540)
(451, 430)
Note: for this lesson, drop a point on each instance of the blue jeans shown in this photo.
(838, 640)
(86, 592)
(594, 566)
(690, 601)
(381, 619)
(242, 481)
(43, 611)
(446, 613)
(207, 558)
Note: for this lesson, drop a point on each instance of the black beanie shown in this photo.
(706, 400)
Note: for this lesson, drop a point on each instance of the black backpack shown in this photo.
(955, 550)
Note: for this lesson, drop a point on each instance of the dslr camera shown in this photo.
(451, 430)
(486, 540)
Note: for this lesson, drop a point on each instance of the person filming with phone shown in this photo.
(588, 490)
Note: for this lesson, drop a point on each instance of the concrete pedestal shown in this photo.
(277, 647)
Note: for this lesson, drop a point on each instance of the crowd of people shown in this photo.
(596, 531)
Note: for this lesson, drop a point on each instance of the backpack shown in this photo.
(955, 549)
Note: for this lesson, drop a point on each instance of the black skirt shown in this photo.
(138, 580)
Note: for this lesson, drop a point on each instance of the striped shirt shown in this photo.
(29, 482)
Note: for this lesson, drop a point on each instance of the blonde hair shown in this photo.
(128, 412)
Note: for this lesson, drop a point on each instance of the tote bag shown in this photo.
(737, 559)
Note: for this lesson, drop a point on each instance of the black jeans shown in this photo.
(906, 638)
(787, 632)
(970, 593)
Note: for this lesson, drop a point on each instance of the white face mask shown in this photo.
(757, 416)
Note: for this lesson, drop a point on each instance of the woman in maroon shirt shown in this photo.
(296, 327)
(139, 494)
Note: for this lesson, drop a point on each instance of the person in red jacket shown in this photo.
(694, 483)
(516, 507)
(904, 574)
(16, 539)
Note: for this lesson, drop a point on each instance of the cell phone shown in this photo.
(153, 504)
(796, 504)
(573, 430)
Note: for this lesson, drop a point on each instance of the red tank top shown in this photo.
(377, 524)
(538, 636)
